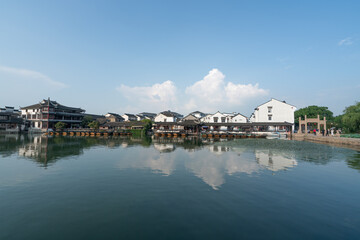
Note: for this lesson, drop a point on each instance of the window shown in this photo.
(269, 109)
(223, 119)
(165, 119)
(216, 119)
(269, 117)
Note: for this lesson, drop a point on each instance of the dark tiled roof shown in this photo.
(123, 124)
(54, 104)
(130, 115)
(146, 114)
(171, 114)
(116, 115)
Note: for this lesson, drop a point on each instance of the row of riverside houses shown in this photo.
(42, 116)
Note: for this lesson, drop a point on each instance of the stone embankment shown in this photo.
(332, 140)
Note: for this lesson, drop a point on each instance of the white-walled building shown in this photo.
(219, 117)
(198, 114)
(274, 111)
(239, 118)
(168, 116)
(129, 117)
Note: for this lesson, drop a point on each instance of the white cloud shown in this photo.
(346, 41)
(210, 94)
(213, 93)
(31, 75)
(158, 97)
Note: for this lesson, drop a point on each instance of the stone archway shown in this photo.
(311, 120)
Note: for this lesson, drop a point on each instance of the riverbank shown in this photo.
(353, 143)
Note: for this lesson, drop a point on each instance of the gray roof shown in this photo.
(171, 114)
(54, 104)
(130, 115)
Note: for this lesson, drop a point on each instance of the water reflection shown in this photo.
(208, 160)
(274, 162)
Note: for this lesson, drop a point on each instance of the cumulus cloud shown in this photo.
(346, 41)
(31, 75)
(213, 93)
(158, 97)
(210, 94)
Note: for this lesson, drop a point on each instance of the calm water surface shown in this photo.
(125, 188)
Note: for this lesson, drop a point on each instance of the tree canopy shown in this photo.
(312, 112)
(351, 118)
(94, 125)
(60, 125)
(85, 122)
(148, 124)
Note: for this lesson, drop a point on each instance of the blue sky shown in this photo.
(134, 56)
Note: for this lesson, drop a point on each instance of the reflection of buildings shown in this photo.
(218, 149)
(45, 150)
(274, 162)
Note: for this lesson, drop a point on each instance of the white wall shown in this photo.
(162, 118)
(218, 115)
(280, 112)
(238, 119)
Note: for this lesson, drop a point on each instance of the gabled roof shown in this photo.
(115, 115)
(129, 115)
(190, 117)
(275, 100)
(238, 114)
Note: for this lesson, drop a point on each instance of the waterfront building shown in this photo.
(217, 117)
(238, 118)
(10, 120)
(114, 117)
(198, 114)
(168, 116)
(129, 117)
(146, 115)
(274, 111)
(45, 114)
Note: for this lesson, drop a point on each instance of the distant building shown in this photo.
(217, 117)
(198, 114)
(168, 116)
(146, 115)
(45, 114)
(129, 117)
(274, 111)
(114, 117)
(10, 120)
(239, 118)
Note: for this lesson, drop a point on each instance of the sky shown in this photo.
(151, 56)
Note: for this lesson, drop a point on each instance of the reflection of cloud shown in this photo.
(213, 168)
(162, 147)
(160, 163)
(274, 162)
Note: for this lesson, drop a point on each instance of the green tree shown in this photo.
(351, 118)
(85, 122)
(60, 125)
(94, 125)
(312, 112)
(148, 124)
